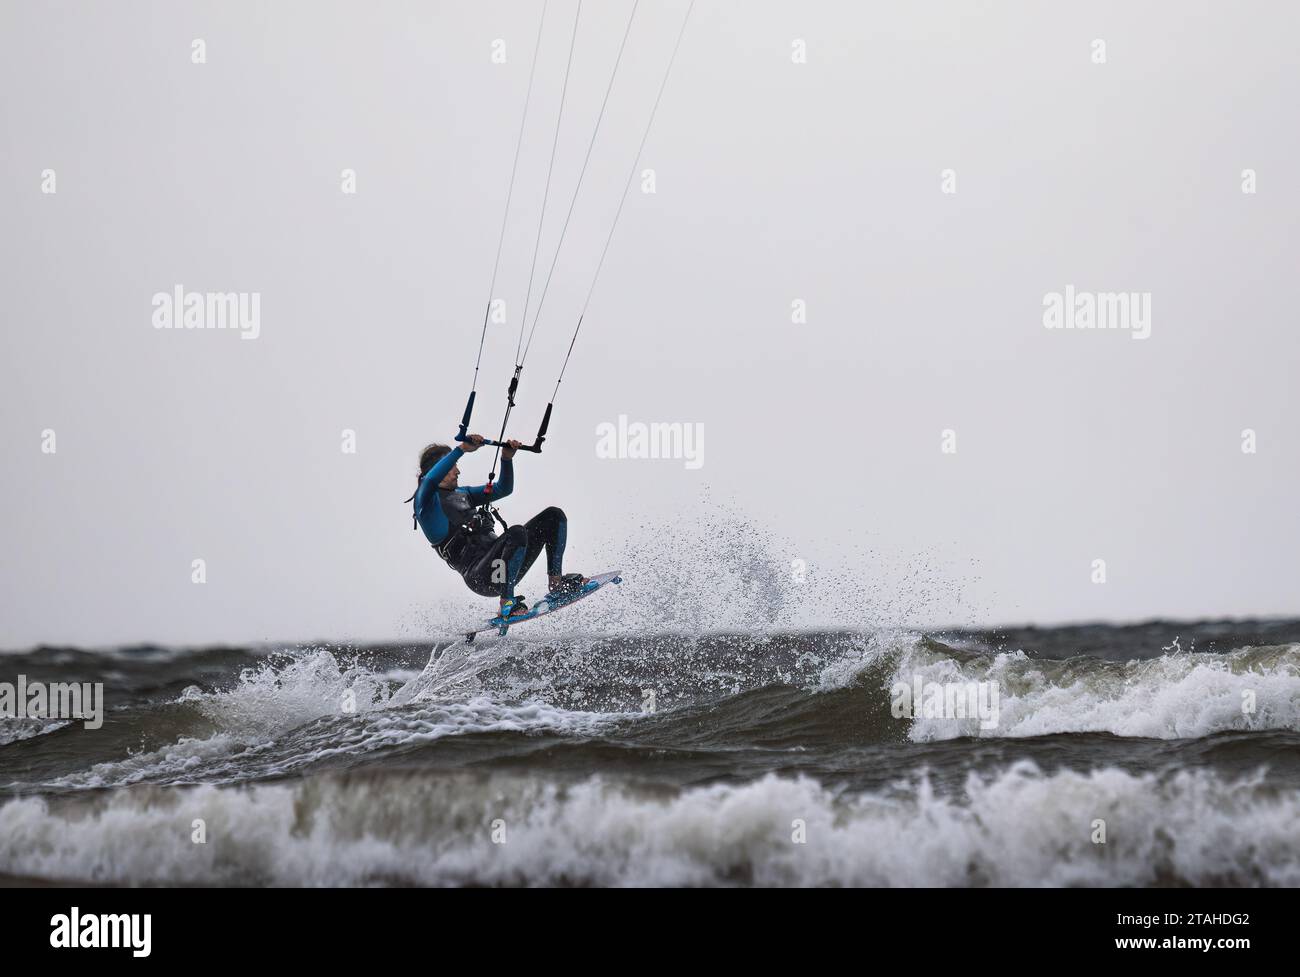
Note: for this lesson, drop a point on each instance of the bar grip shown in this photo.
(535, 447)
(464, 421)
(541, 431)
(502, 444)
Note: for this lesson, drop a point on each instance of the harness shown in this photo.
(473, 535)
(469, 526)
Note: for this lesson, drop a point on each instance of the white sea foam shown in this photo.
(1018, 828)
(12, 730)
(1171, 697)
(297, 712)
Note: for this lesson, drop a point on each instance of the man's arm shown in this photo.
(445, 464)
(505, 484)
(500, 489)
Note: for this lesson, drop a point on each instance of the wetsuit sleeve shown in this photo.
(428, 510)
(500, 489)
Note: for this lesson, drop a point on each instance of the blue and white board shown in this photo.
(545, 606)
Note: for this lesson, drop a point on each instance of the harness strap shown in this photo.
(472, 527)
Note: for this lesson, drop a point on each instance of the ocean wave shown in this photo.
(227, 757)
(13, 730)
(821, 692)
(1020, 827)
(1174, 696)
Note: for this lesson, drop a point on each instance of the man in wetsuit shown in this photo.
(463, 534)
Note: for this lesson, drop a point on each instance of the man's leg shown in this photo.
(549, 528)
(498, 571)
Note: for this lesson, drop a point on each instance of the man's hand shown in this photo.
(472, 443)
(508, 451)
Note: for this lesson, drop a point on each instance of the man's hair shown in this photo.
(430, 456)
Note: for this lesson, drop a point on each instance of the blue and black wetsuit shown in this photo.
(463, 535)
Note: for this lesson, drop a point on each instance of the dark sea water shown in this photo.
(773, 759)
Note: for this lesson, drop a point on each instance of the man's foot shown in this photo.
(567, 585)
(512, 607)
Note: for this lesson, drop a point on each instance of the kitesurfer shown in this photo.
(457, 522)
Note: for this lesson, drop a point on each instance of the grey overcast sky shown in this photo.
(778, 179)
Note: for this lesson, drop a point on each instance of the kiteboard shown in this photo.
(547, 605)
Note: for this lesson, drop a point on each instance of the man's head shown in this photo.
(430, 456)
